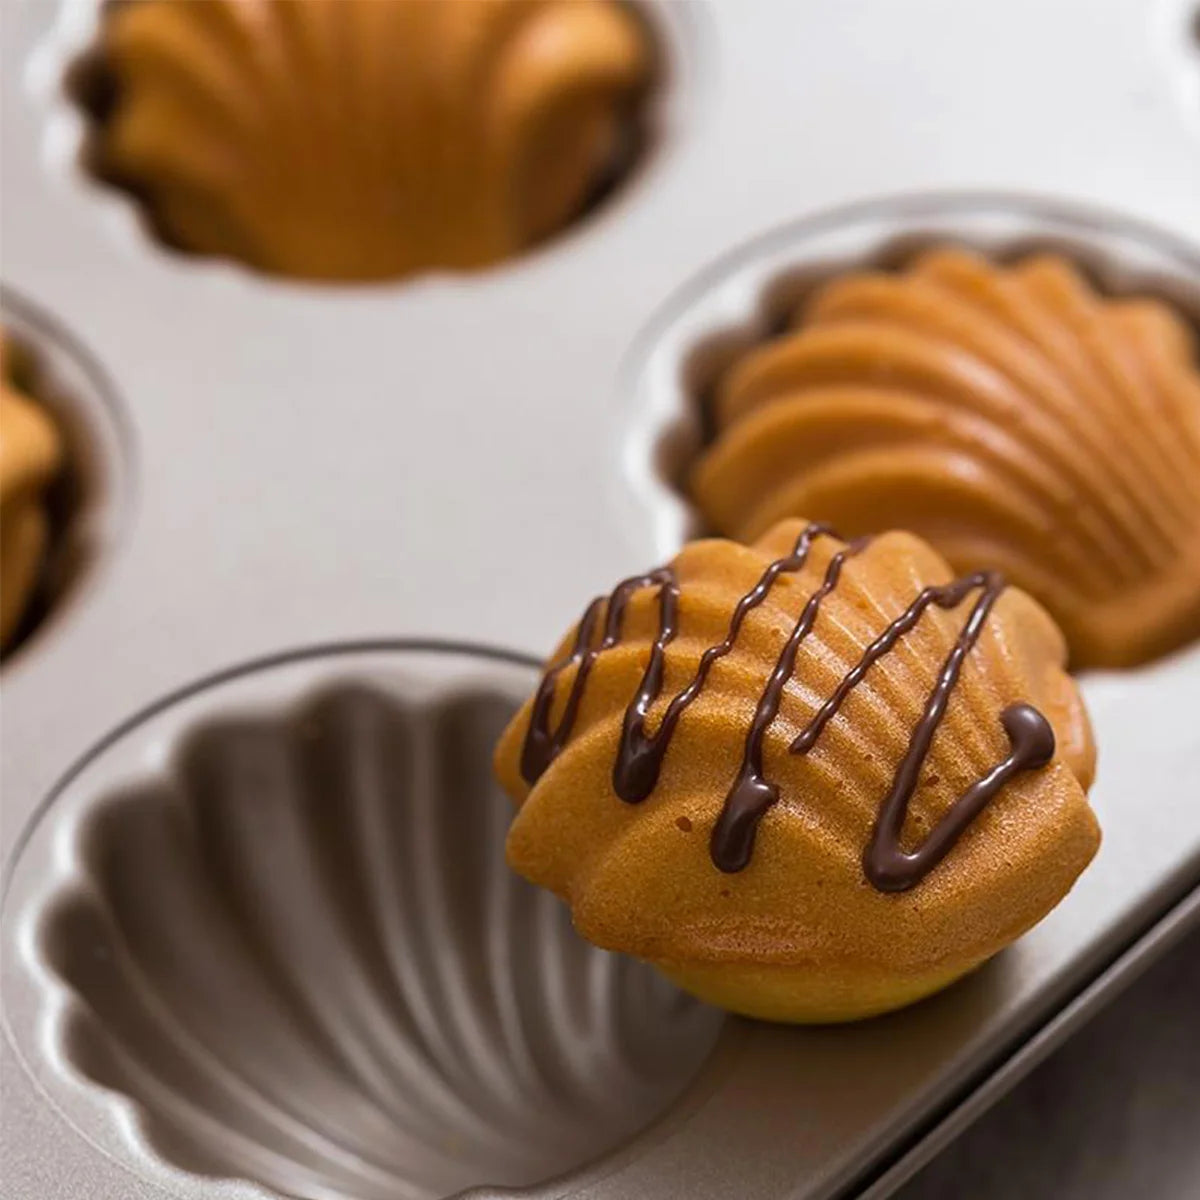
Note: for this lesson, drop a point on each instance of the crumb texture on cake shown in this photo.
(798, 931)
(365, 139)
(1010, 414)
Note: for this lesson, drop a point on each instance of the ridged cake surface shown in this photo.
(366, 139)
(1009, 414)
(735, 767)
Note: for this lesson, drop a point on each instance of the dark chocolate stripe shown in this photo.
(640, 755)
(543, 744)
(887, 866)
(892, 869)
(752, 793)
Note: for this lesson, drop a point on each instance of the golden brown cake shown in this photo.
(30, 456)
(1009, 414)
(810, 780)
(366, 139)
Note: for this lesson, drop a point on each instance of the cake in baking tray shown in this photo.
(365, 139)
(1009, 414)
(31, 454)
(811, 779)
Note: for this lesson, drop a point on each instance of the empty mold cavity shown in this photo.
(219, 204)
(85, 499)
(293, 950)
(749, 297)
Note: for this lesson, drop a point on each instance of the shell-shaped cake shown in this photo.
(1009, 414)
(366, 139)
(810, 779)
(30, 456)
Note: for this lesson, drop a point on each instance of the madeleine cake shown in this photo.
(811, 780)
(1009, 414)
(365, 139)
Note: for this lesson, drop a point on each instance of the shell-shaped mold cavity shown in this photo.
(366, 139)
(1004, 406)
(298, 951)
(62, 469)
(726, 838)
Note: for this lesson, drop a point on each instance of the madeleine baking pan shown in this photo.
(324, 535)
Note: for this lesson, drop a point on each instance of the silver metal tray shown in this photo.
(458, 462)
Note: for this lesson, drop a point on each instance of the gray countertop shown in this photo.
(1113, 1114)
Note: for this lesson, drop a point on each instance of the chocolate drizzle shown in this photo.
(640, 755)
(885, 863)
(752, 793)
(887, 866)
(543, 744)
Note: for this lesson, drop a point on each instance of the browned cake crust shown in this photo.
(366, 139)
(722, 772)
(1010, 415)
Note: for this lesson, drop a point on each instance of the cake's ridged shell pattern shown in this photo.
(639, 877)
(300, 953)
(1009, 414)
(360, 139)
